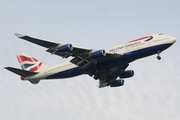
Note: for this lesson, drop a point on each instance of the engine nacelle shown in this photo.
(96, 54)
(65, 48)
(127, 74)
(117, 83)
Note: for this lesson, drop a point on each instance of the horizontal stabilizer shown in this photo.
(21, 72)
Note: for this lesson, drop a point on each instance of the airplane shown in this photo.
(108, 66)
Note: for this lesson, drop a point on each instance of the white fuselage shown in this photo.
(148, 45)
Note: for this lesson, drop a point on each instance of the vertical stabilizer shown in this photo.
(29, 63)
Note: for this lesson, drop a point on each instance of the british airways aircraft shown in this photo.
(108, 66)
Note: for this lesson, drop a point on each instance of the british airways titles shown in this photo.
(125, 46)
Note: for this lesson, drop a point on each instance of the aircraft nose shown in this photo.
(173, 40)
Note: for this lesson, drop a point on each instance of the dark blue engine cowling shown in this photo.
(127, 74)
(96, 54)
(117, 83)
(64, 48)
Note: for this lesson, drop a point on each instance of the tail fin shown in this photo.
(29, 63)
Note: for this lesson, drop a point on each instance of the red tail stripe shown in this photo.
(24, 58)
(36, 68)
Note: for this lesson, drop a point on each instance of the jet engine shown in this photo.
(117, 83)
(65, 48)
(127, 74)
(98, 53)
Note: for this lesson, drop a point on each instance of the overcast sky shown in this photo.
(152, 94)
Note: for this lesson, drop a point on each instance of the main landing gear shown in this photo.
(94, 74)
(159, 57)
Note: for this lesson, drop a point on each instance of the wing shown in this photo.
(81, 56)
(107, 76)
(84, 61)
(52, 46)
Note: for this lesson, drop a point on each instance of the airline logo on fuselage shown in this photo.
(132, 43)
(147, 38)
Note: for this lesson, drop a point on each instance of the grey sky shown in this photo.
(153, 93)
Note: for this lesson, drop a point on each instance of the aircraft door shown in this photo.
(48, 73)
(150, 43)
(127, 49)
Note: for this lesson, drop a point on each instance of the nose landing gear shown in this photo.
(159, 57)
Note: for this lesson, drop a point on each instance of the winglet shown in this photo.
(19, 35)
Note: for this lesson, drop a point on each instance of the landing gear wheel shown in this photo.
(158, 53)
(96, 77)
(90, 74)
(158, 57)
